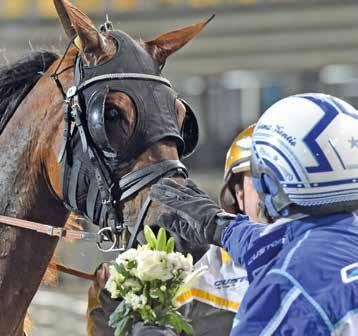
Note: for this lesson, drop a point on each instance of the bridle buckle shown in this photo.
(103, 238)
(71, 92)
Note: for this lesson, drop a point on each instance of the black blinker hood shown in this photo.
(156, 117)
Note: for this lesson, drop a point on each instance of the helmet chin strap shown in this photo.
(269, 194)
(263, 215)
(272, 196)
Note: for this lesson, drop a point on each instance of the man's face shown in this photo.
(247, 198)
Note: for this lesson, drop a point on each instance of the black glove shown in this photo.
(98, 317)
(195, 217)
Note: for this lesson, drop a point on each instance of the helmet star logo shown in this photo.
(353, 142)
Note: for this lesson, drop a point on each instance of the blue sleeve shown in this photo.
(238, 236)
(276, 307)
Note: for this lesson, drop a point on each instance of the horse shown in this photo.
(86, 149)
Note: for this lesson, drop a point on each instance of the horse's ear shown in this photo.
(165, 45)
(76, 23)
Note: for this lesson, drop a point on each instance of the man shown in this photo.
(214, 299)
(238, 194)
(211, 304)
(303, 269)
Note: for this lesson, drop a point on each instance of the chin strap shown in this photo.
(274, 200)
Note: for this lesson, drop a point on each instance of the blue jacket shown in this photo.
(304, 274)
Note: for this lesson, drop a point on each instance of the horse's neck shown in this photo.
(23, 145)
(11, 174)
(24, 255)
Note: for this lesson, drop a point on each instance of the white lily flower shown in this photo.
(152, 265)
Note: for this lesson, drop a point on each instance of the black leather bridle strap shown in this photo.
(124, 76)
(92, 196)
(142, 172)
(73, 185)
(66, 131)
(139, 223)
(136, 180)
(178, 169)
(111, 190)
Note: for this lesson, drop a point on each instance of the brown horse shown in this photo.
(30, 185)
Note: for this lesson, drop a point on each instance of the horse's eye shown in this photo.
(113, 113)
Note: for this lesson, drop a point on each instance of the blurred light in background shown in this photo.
(44, 8)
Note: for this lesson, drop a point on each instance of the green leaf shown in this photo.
(120, 312)
(170, 245)
(150, 237)
(148, 315)
(158, 294)
(131, 264)
(179, 323)
(121, 269)
(124, 326)
(154, 293)
(161, 240)
(187, 327)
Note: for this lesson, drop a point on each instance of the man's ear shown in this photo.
(164, 45)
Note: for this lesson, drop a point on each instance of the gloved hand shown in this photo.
(193, 215)
(100, 305)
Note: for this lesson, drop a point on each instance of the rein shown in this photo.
(56, 232)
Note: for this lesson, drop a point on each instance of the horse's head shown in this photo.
(130, 124)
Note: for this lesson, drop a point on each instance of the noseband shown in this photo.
(90, 186)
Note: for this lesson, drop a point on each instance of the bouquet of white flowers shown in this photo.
(149, 279)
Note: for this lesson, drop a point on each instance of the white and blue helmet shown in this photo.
(305, 155)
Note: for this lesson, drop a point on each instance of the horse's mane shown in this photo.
(17, 79)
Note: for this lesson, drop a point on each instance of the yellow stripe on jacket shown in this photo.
(201, 295)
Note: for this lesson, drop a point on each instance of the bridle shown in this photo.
(112, 190)
(105, 189)
(128, 185)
